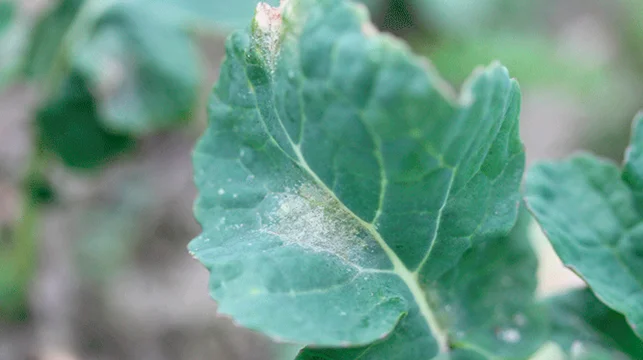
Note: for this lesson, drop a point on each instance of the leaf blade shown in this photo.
(476, 296)
(346, 169)
(583, 325)
(565, 198)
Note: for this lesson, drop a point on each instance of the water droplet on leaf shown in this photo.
(509, 335)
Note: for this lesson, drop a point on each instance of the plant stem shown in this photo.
(19, 262)
(26, 231)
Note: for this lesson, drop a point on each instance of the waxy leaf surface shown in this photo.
(348, 199)
(592, 212)
(499, 294)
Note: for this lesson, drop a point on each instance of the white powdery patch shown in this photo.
(311, 218)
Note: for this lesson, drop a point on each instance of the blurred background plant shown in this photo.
(101, 102)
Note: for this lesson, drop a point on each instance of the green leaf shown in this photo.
(490, 309)
(69, 126)
(144, 70)
(47, 38)
(592, 213)
(344, 192)
(587, 329)
(141, 65)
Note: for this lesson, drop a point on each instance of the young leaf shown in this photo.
(592, 213)
(69, 127)
(342, 190)
(144, 69)
(587, 329)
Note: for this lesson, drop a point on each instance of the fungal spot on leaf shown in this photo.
(309, 217)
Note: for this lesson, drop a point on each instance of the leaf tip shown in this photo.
(268, 27)
(267, 18)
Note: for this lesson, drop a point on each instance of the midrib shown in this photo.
(410, 278)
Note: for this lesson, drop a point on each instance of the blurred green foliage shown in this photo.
(14, 279)
(136, 64)
(632, 17)
(147, 71)
(13, 34)
(47, 39)
(18, 245)
(532, 59)
(467, 17)
(39, 190)
(113, 68)
(7, 12)
(69, 126)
